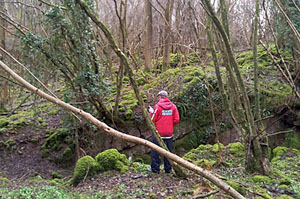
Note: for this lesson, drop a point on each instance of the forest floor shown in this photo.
(24, 172)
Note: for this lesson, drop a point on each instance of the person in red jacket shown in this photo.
(165, 116)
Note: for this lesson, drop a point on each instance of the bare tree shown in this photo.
(167, 34)
(3, 82)
(148, 35)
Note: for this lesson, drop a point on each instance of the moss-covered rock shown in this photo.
(237, 149)
(67, 158)
(61, 143)
(55, 141)
(217, 146)
(19, 123)
(278, 152)
(111, 159)
(85, 166)
(284, 197)
(205, 163)
(237, 187)
(4, 122)
(260, 179)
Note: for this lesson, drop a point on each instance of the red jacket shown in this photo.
(165, 116)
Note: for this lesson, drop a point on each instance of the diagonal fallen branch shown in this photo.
(110, 131)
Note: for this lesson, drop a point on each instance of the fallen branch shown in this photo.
(110, 131)
(204, 195)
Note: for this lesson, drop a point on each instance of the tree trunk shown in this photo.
(255, 64)
(265, 149)
(110, 131)
(123, 36)
(148, 35)
(167, 35)
(3, 82)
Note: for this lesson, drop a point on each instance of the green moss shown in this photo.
(4, 122)
(285, 181)
(276, 172)
(189, 157)
(144, 158)
(40, 120)
(68, 140)
(141, 81)
(55, 181)
(56, 142)
(129, 114)
(216, 147)
(54, 174)
(237, 149)
(53, 112)
(66, 159)
(292, 140)
(152, 195)
(36, 179)
(2, 144)
(120, 166)
(85, 166)
(284, 197)
(3, 179)
(278, 152)
(125, 79)
(21, 122)
(260, 179)
(111, 159)
(267, 196)
(205, 163)
(45, 107)
(237, 187)
(3, 130)
(283, 186)
(205, 147)
(11, 144)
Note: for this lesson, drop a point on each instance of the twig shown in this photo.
(86, 173)
(206, 194)
(295, 31)
(12, 81)
(296, 5)
(259, 194)
(12, 112)
(290, 82)
(52, 5)
(280, 132)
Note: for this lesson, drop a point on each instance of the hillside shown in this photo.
(38, 140)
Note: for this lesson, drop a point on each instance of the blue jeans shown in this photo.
(155, 157)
